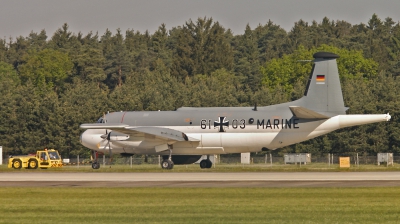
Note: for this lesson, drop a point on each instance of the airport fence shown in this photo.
(230, 159)
(328, 159)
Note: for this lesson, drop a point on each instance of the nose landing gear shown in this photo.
(95, 162)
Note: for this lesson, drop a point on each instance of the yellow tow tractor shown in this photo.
(44, 159)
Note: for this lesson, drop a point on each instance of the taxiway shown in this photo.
(203, 179)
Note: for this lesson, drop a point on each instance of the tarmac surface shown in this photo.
(253, 179)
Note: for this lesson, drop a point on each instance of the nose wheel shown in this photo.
(95, 165)
(95, 162)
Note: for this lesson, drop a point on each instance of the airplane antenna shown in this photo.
(255, 107)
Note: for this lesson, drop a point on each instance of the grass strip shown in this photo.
(199, 205)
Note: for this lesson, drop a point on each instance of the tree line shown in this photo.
(51, 84)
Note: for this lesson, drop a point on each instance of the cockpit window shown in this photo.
(101, 120)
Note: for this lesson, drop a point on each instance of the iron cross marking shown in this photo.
(221, 123)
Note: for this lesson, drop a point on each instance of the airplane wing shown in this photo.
(165, 134)
(305, 113)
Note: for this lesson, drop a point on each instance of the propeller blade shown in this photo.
(105, 121)
(109, 148)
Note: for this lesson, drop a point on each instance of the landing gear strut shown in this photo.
(168, 163)
(95, 162)
(206, 163)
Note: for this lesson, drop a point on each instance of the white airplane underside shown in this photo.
(184, 135)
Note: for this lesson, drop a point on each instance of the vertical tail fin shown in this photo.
(324, 93)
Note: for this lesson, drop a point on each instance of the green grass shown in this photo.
(199, 205)
(312, 167)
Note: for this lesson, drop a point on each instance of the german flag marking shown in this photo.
(320, 79)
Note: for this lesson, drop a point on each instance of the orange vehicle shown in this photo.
(43, 159)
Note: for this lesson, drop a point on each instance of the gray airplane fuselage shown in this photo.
(239, 130)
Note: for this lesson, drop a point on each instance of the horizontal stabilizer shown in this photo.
(305, 113)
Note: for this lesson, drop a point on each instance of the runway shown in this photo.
(164, 179)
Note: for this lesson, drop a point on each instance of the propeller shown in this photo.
(106, 137)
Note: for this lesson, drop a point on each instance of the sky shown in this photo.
(21, 17)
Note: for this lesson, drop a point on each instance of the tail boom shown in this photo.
(359, 119)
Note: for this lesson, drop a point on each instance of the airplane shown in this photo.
(183, 136)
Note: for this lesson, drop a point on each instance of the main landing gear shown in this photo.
(206, 163)
(168, 164)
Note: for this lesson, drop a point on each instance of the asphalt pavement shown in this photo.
(164, 179)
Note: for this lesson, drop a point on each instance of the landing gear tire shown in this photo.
(209, 164)
(205, 163)
(96, 165)
(167, 164)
